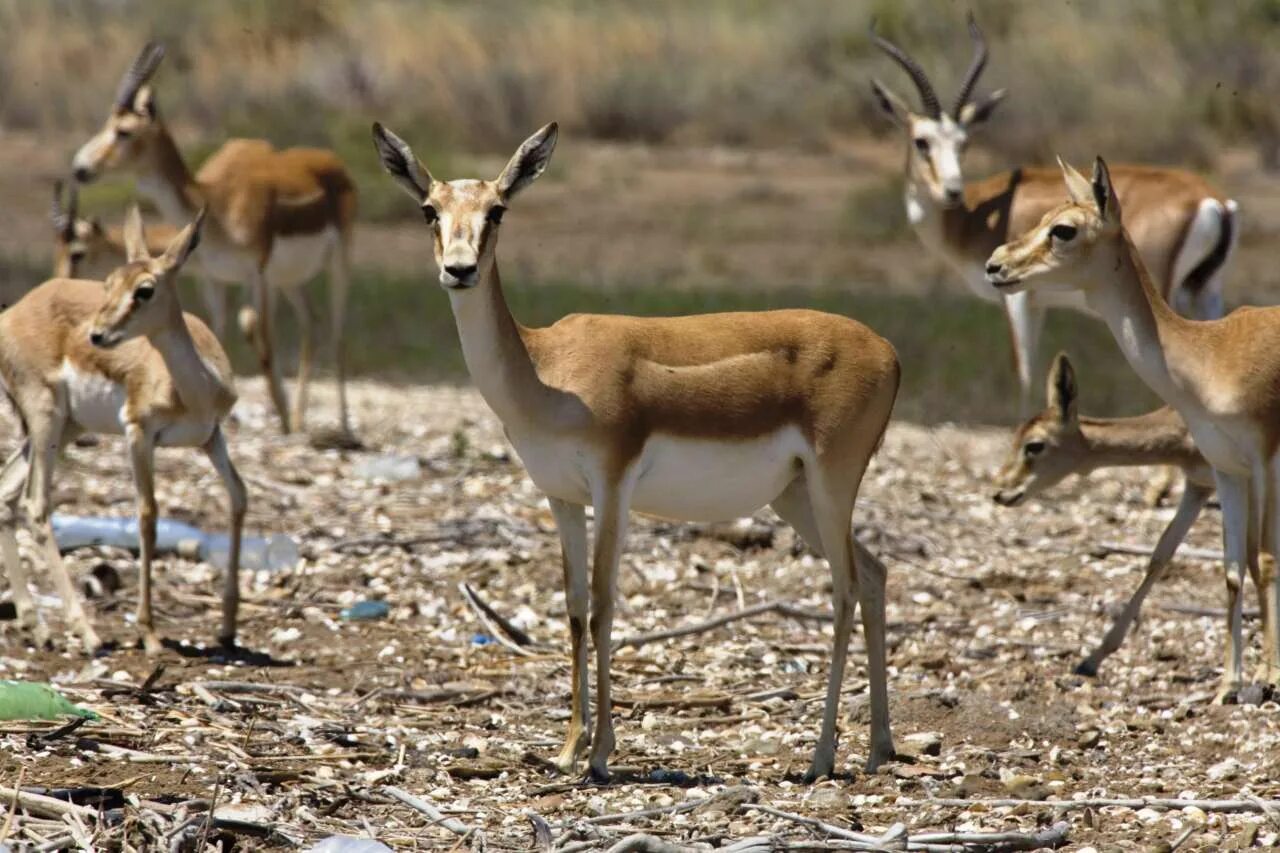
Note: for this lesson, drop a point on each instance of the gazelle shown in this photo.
(85, 248)
(275, 217)
(1184, 229)
(1222, 376)
(76, 358)
(1059, 442)
(699, 418)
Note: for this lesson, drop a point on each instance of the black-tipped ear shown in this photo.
(400, 163)
(1104, 193)
(135, 238)
(529, 162)
(977, 113)
(890, 104)
(180, 249)
(1061, 387)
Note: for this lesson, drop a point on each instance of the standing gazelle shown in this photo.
(85, 248)
(1184, 229)
(1222, 376)
(274, 219)
(698, 418)
(77, 358)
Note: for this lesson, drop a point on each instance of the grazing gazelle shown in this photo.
(85, 248)
(275, 217)
(1059, 442)
(1222, 376)
(121, 358)
(1183, 227)
(698, 418)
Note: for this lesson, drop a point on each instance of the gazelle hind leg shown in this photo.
(571, 524)
(238, 500)
(300, 301)
(256, 324)
(339, 284)
(1268, 578)
(12, 478)
(1192, 503)
(1233, 494)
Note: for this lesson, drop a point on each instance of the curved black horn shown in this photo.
(64, 219)
(975, 67)
(928, 97)
(139, 73)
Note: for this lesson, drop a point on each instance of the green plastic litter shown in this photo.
(27, 700)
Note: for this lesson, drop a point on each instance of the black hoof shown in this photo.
(1086, 667)
(598, 777)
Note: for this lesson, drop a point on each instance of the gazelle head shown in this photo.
(74, 239)
(132, 128)
(1047, 448)
(142, 295)
(937, 139)
(1067, 240)
(464, 215)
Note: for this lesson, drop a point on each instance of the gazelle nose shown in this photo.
(460, 271)
(954, 195)
(97, 338)
(994, 268)
(82, 174)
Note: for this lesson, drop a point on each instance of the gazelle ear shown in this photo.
(144, 103)
(400, 163)
(135, 239)
(977, 113)
(181, 247)
(1104, 192)
(1078, 188)
(1061, 388)
(529, 162)
(890, 104)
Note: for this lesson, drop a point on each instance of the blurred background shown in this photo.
(714, 155)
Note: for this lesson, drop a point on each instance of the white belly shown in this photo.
(700, 480)
(298, 258)
(185, 433)
(1222, 449)
(96, 403)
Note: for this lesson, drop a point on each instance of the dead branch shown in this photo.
(454, 825)
(1223, 806)
(497, 627)
(782, 608)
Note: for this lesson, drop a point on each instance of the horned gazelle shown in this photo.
(705, 417)
(1059, 442)
(84, 247)
(1222, 376)
(80, 357)
(1184, 229)
(275, 217)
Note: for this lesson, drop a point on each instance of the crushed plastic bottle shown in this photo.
(257, 553)
(389, 467)
(33, 700)
(348, 844)
(365, 611)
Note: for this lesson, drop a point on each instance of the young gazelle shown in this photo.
(80, 357)
(85, 248)
(698, 418)
(1060, 442)
(274, 219)
(1184, 228)
(1222, 376)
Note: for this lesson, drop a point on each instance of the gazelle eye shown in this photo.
(121, 133)
(429, 213)
(1063, 232)
(1033, 448)
(143, 293)
(922, 145)
(495, 214)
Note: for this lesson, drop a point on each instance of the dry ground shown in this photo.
(989, 609)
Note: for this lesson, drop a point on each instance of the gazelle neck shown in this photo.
(168, 183)
(1156, 438)
(197, 384)
(497, 357)
(1142, 323)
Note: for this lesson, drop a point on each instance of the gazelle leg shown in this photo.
(1269, 579)
(216, 449)
(142, 458)
(46, 436)
(612, 504)
(300, 300)
(12, 478)
(217, 299)
(1026, 320)
(571, 523)
(339, 284)
(1159, 486)
(1233, 494)
(1193, 500)
(256, 323)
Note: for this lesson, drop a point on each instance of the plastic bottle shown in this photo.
(257, 553)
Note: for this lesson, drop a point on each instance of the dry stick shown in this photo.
(13, 805)
(501, 629)
(736, 792)
(642, 843)
(454, 825)
(781, 607)
(47, 806)
(1105, 548)
(1223, 806)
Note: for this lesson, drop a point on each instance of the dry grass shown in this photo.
(1192, 76)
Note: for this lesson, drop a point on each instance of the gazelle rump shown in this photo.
(1059, 442)
(84, 247)
(76, 358)
(1183, 227)
(275, 219)
(704, 417)
(1222, 376)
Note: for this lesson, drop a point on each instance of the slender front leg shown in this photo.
(257, 326)
(1268, 578)
(571, 523)
(1233, 494)
(216, 298)
(12, 479)
(339, 283)
(1193, 500)
(216, 449)
(142, 459)
(1026, 320)
(300, 300)
(612, 503)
